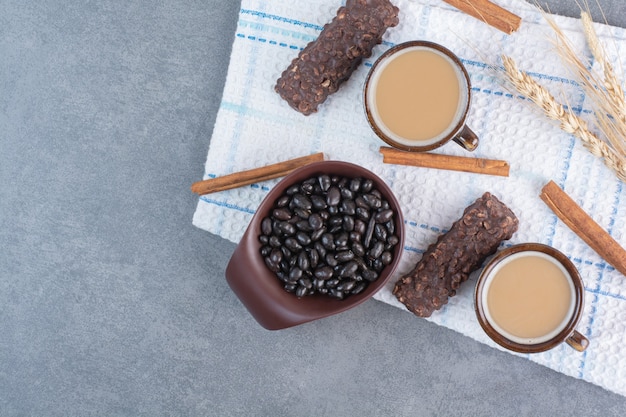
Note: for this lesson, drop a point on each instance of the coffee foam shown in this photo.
(462, 105)
(557, 329)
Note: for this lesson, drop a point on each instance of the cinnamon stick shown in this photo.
(490, 13)
(584, 226)
(449, 162)
(251, 176)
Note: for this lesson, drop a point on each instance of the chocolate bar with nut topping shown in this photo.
(326, 63)
(449, 261)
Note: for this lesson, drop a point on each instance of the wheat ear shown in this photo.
(608, 95)
(613, 87)
(569, 122)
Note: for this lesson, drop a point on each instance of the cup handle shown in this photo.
(577, 341)
(467, 139)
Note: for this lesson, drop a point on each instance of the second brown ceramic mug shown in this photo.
(529, 299)
(417, 96)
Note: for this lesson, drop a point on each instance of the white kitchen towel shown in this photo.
(255, 127)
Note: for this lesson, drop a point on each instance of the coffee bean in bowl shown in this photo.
(329, 234)
(325, 239)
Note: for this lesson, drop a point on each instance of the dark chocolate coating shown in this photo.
(324, 64)
(449, 261)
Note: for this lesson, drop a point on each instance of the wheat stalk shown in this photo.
(608, 95)
(613, 87)
(569, 122)
(604, 89)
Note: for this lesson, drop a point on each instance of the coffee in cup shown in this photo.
(417, 97)
(529, 299)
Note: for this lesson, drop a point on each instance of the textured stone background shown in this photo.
(112, 303)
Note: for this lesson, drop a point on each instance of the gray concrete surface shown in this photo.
(112, 303)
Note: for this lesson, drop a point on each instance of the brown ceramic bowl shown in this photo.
(260, 290)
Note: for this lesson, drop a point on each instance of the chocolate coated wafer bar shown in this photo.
(324, 64)
(448, 262)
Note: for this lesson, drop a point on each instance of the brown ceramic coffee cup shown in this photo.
(529, 299)
(417, 96)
